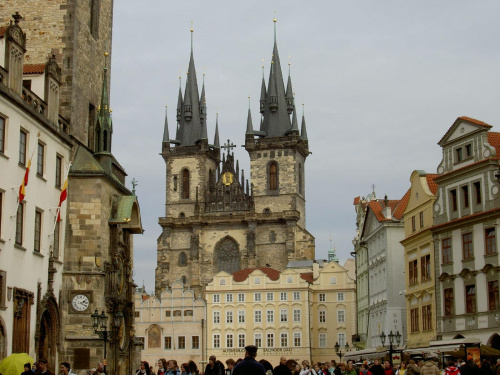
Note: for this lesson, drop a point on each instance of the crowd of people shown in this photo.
(292, 367)
(250, 366)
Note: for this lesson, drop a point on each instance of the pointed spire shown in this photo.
(180, 102)
(104, 127)
(166, 137)
(303, 131)
(289, 93)
(216, 138)
(187, 99)
(243, 179)
(237, 170)
(263, 95)
(249, 119)
(203, 101)
(295, 126)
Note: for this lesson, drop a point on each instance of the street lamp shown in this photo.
(392, 337)
(100, 325)
(338, 350)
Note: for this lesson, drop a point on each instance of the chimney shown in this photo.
(52, 86)
(387, 208)
(15, 47)
(315, 270)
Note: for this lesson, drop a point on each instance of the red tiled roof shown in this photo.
(398, 207)
(494, 140)
(145, 297)
(356, 201)
(242, 275)
(433, 186)
(307, 276)
(468, 119)
(474, 121)
(3, 30)
(401, 207)
(33, 68)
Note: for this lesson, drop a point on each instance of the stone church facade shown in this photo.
(215, 219)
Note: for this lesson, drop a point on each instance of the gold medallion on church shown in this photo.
(227, 178)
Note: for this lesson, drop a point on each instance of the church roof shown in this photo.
(242, 275)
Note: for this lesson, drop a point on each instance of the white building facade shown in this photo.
(31, 242)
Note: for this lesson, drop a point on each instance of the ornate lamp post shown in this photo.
(100, 325)
(392, 339)
(338, 350)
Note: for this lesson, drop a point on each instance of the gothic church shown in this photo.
(215, 219)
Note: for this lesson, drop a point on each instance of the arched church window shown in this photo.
(182, 215)
(267, 210)
(185, 184)
(273, 176)
(227, 256)
(182, 259)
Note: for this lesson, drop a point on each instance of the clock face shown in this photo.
(80, 302)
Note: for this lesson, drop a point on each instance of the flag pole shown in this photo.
(23, 183)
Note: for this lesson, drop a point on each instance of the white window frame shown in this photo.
(340, 296)
(229, 340)
(269, 296)
(322, 316)
(322, 297)
(241, 340)
(258, 340)
(297, 336)
(296, 296)
(283, 296)
(270, 316)
(241, 316)
(257, 316)
(297, 315)
(229, 317)
(241, 297)
(216, 317)
(229, 298)
(216, 298)
(284, 336)
(216, 341)
(270, 339)
(322, 340)
(257, 297)
(341, 316)
(284, 315)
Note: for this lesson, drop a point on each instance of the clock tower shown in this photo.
(102, 216)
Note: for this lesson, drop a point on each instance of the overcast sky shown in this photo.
(382, 81)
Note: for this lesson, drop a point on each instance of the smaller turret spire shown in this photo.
(289, 93)
(249, 119)
(203, 101)
(216, 138)
(263, 93)
(104, 128)
(295, 126)
(166, 137)
(303, 131)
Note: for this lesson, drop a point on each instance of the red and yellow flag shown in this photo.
(22, 188)
(62, 198)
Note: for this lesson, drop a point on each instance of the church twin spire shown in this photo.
(104, 125)
(276, 103)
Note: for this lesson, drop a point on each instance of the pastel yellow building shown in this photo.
(419, 261)
(299, 313)
(171, 326)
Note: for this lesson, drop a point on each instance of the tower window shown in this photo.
(273, 176)
(104, 140)
(94, 18)
(185, 184)
(182, 259)
(300, 180)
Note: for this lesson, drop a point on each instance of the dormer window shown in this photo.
(468, 151)
(463, 153)
(458, 153)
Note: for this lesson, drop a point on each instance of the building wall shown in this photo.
(460, 171)
(339, 292)
(62, 28)
(418, 243)
(289, 281)
(155, 328)
(21, 266)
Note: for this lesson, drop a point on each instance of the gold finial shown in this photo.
(191, 26)
(274, 14)
(98, 108)
(110, 110)
(105, 54)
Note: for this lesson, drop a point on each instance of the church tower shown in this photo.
(278, 150)
(215, 219)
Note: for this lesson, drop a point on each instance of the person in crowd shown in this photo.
(412, 368)
(317, 370)
(402, 368)
(297, 370)
(306, 369)
(282, 368)
(451, 369)
(229, 366)
(238, 361)
(376, 368)
(184, 370)
(162, 366)
(193, 369)
(249, 366)
(27, 369)
(213, 367)
(350, 369)
(267, 365)
(65, 369)
(364, 369)
(43, 367)
(429, 368)
(144, 369)
(388, 370)
(485, 368)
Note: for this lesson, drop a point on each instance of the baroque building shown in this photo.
(215, 219)
(171, 325)
(419, 261)
(35, 148)
(380, 236)
(466, 219)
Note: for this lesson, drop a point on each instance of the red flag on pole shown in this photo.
(62, 198)
(22, 188)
